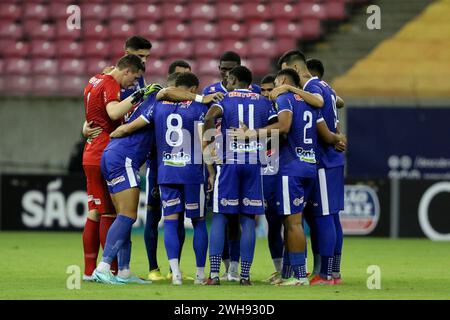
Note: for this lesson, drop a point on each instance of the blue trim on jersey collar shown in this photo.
(309, 81)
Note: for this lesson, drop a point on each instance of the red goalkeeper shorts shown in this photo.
(97, 191)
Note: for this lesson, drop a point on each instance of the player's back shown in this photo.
(137, 145)
(298, 150)
(219, 87)
(101, 90)
(178, 152)
(254, 111)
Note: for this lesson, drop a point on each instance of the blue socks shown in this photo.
(287, 269)
(274, 237)
(297, 260)
(216, 242)
(124, 254)
(171, 240)
(200, 242)
(181, 234)
(248, 241)
(118, 234)
(338, 246)
(151, 236)
(326, 243)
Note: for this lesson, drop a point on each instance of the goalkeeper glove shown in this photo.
(138, 95)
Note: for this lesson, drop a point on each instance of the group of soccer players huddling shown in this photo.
(246, 150)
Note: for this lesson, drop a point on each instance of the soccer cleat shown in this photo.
(200, 281)
(88, 278)
(318, 281)
(133, 279)
(272, 277)
(155, 275)
(177, 280)
(184, 277)
(213, 281)
(245, 282)
(224, 277)
(337, 279)
(233, 277)
(295, 282)
(105, 277)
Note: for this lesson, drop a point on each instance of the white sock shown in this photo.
(103, 267)
(214, 275)
(226, 263)
(175, 268)
(124, 274)
(234, 267)
(278, 264)
(200, 272)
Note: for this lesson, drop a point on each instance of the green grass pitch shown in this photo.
(33, 266)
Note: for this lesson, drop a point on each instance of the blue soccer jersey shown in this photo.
(219, 87)
(327, 155)
(138, 84)
(298, 151)
(250, 108)
(177, 141)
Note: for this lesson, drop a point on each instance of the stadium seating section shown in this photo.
(415, 63)
(40, 55)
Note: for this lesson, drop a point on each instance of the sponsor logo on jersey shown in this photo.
(229, 202)
(115, 181)
(191, 206)
(252, 146)
(253, 203)
(179, 159)
(361, 210)
(171, 203)
(306, 155)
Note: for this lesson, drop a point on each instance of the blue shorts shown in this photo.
(238, 189)
(180, 198)
(270, 185)
(293, 193)
(328, 192)
(151, 185)
(119, 171)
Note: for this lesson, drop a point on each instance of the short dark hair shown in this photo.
(291, 73)
(131, 61)
(137, 43)
(270, 78)
(178, 63)
(291, 56)
(173, 77)
(230, 56)
(243, 74)
(187, 79)
(315, 65)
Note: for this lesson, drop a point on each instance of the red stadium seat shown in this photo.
(94, 29)
(17, 66)
(44, 66)
(10, 30)
(45, 85)
(116, 48)
(13, 49)
(174, 11)
(311, 29)
(58, 10)
(203, 30)
(69, 49)
(10, 10)
(335, 10)
(96, 65)
(121, 29)
(283, 10)
(72, 86)
(285, 44)
(72, 66)
(229, 10)
(159, 49)
(240, 47)
(311, 10)
(262, 48)
(18, 84)
(180, 49)
(175, 29)
(36, 29)
(202, 11)
(94, 11)
(260, 66)
(157, 67)
(207, 67)
(149, 29)
(97, 48)
(256, 11)
(207, 49)
(35, 11)
(43, 49)
(121, 11)
(261, 29)
(283, 28)
(148, 11)
(63, 32)
(229, 29)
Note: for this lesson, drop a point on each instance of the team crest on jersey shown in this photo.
(306, 155)
(179, 159)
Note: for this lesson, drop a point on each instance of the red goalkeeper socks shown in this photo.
(91, 244)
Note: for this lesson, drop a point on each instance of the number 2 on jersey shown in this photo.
(307, 116)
